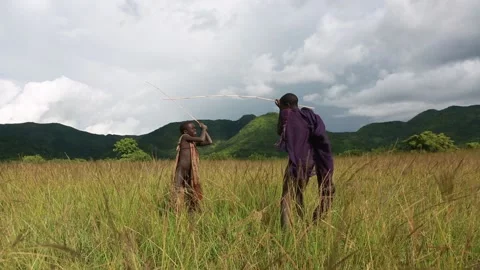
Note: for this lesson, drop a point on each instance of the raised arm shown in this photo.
(207, 141)
(282, 120)
(279, 124)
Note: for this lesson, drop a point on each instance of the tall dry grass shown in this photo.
(405, 211)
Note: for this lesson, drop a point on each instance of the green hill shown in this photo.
(53, 141)
(462, 124)
(58, 141)
(163, 141)
(257, 137)
(242, 138)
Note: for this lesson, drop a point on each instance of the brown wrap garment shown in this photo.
(194, 175)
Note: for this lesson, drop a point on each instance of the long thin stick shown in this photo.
(176, 103)
(237, 96)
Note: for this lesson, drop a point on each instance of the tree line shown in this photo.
(127, 149)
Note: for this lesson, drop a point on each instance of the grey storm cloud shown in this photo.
(354, 62)
(204, 19)
(130, 7)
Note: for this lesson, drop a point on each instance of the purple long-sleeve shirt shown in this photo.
(304, 138)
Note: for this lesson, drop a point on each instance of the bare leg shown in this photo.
(326, 192)
(191, 199)
(285, 212)
(192, 202)
(179, 191)
(299, 189)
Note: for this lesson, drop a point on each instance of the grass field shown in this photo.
(405, 211)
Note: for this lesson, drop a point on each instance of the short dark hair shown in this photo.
(289, 99)
(183, 126)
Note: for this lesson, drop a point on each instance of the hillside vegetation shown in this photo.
(256, 138)
(246, 137)
(58, 141)
(462, 124)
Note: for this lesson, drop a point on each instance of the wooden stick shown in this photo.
(181, 107)
(237, 96)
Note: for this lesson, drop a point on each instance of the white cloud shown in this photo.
(114, 127)
(261, 70)
(352, 78)
(301, 74)
(336, 44)
(228, 91)
(395, 53)
(405, 93)
(70, 103)
(333, 93)
(336, 91)
(360, 57)
(325, 55)
(404, 111)
(8, 90)
(259, 89)
(312, 97)
(33, 5)
(51, 100)
(76, 33)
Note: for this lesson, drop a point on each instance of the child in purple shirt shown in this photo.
(304, 138)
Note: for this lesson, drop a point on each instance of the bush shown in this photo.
(129, 150)
(473, 145)
(138, 155)
(429, 142)
(33, 159)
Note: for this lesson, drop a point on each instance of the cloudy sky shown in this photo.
(84, 63)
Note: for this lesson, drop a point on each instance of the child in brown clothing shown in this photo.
(186, 177)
